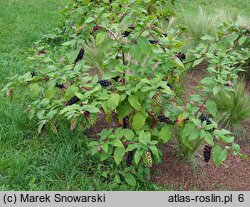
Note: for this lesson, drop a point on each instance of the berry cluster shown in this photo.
(149, 159)
(94, 29)
(33, 74)
(157, 97)
(105, 83)
(170, 86)
(181, 56)
(129, 159)
(163, 118)
(53, 128)
(153, 41)
(204, 117)
(207, 153)
(126, 33)
(88, 116)
(80, 55)
(72, 101)
(60, 85)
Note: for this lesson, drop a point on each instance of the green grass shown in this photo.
(204, 16)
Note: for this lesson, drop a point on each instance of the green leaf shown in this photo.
(118, 133)
(165, 133)
(117, 143)
(216, 90)
(113, 101)
(178, 62)
(195, 134)
(129, 178)
(34, 89)
(212, 107)
(209, 138)
(132, 147)
(138, 120)
(138, 155)
(105, 147)
(128, 134)
(242, 40)
(118, 154)
(70, 92)
(100, 37)
(133, 100)
(219, 155)
(50, 92)
(197, 62)
(136, 52)
(124, 109)
(154, 150)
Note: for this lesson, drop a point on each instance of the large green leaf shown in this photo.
(212, 107)
(219, 155)
(113, 101)
(118, 154)
(130, 179)
(138, 120)
(133, 100)
(165, 133)
(138, 155)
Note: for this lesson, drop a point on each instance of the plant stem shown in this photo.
(202, 104)
(154, 120)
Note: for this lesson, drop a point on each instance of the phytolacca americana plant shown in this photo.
(136, 85)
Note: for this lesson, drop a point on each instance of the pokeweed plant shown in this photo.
(135, 84)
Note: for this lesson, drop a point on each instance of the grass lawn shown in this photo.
(29, 162)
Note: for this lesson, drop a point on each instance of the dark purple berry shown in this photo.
(165, 35)
(153, 41)
(170, 86)
(207, 153)
(33, 74)
(80, 55)
(60, 85)
(129, 159)
(126, 33)
(105, 83)
(181, 56)
(72, 101)
(204, 117)
(163, 118)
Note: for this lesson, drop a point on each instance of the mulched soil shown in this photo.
(233, 174)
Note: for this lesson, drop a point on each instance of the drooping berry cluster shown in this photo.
(153, 41)
(129, 159)
(72, 101)
(170, 86)
(126, 33)
(125, 122)
(157, 97)
(80, 55)
(207, 153)
(94, 29)
(60, 85)
(88, 116)
(149, 159)
(204, 117)
(33, 74)
(181, 56)
(105, 83)
(163, 118)
(53, 128)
